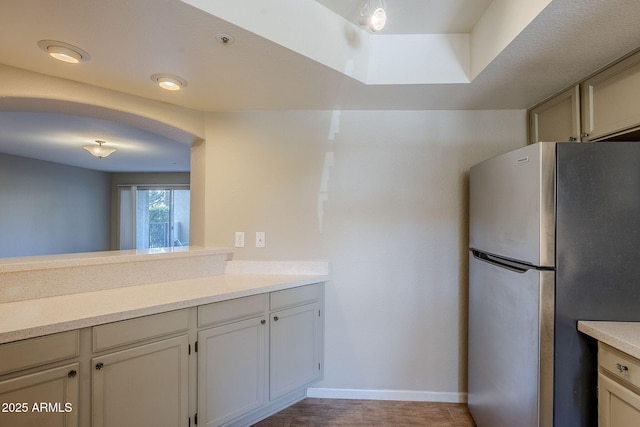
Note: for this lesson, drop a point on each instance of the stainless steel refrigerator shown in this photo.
(554, 238)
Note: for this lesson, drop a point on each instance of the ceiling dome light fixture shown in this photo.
(169, 81)
(98, 150)
(64, 51)
(373, 15)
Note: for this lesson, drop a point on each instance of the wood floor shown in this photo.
(313, 412)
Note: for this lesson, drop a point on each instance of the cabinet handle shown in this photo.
(262, 322)
(99, 366)
(621, 368)
(572, 139)
(275, 318)
(72, 373)
(584, 134)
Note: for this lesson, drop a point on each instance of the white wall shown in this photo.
(48, 208)
(383, 196)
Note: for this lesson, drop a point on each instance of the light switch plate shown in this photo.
(239, 239)
(261, 241)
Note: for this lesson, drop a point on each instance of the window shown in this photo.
(153, 217)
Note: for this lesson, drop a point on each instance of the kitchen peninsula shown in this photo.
(238, 340)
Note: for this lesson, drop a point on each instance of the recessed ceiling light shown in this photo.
(169, 81)
(64, 51)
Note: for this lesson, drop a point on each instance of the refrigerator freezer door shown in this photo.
(511, 205)
(510, 346)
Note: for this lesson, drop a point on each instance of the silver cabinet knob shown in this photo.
(621, 368)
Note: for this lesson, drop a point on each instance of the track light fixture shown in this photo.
(373, 15)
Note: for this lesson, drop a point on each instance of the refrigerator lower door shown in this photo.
(510, 346)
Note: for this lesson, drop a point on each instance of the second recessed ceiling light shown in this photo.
(169, 81)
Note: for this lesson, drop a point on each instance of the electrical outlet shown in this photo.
(239, 239)
(261, 241)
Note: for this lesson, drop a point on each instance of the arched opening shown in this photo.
(57, 198)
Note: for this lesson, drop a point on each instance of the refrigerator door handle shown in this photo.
(518, 267)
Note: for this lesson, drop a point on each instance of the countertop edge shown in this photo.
(624, 336)
(84, 259)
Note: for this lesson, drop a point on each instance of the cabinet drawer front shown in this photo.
(295, 296)
(145, 328)
(233, 310)
(621, 365)
(39, 351)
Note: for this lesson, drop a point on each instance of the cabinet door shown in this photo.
(231, 370)
(142, 386)
(44, 399)
(557, 119)
(295, 349)
(610, 102)
(617, 405)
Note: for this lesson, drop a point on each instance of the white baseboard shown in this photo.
(403, 395)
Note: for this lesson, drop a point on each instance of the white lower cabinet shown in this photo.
(144, 385)
(231, 370)
(618, 388)
(260, 356)
(46, 398)
(39, 381)
(295, 351)
(617, 405)
(229, 363)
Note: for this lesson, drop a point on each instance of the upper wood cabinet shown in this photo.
(604, 106)
(557, 119)
(610, 101)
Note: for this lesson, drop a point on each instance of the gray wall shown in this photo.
(383, 196)
(48, 208)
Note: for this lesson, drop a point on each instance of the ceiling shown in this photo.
(284, 61)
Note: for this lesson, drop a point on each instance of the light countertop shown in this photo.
(50, 294)
(624, 336)
(42, 316)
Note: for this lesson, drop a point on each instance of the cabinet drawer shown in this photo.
(33, 352)
(295, 296)
(621, 365)
(233, 310)
(145, 328)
